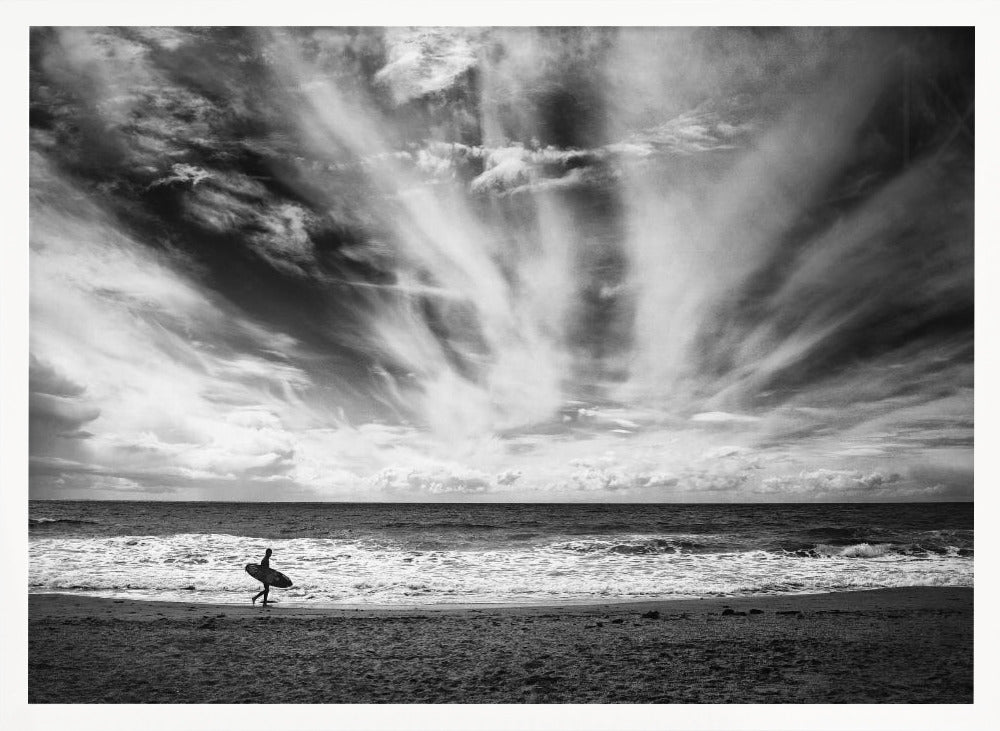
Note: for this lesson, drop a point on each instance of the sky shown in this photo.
(392, 264)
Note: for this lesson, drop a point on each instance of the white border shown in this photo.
(17, 15)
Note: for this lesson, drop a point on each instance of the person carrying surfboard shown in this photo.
(267, 576)
(265, 564)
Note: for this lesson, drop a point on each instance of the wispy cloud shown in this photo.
(425, 60)
(649, 264)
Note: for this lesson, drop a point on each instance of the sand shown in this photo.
(910, 645)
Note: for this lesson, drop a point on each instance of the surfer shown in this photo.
(265, 564)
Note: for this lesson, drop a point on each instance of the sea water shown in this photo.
(407, 554)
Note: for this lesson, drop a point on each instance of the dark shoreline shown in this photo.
(910, 645)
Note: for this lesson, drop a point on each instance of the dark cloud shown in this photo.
(57, 407)
(63, 413)
(43, 378)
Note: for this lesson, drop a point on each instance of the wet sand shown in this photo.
(910, 645)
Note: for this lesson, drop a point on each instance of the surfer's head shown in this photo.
(267, 552)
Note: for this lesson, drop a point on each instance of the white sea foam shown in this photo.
(859, 550)
(199, 567)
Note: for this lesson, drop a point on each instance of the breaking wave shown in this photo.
(644, 545)
(876, 550)
(859, 550)
(40, 522)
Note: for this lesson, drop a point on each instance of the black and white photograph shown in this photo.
(500, 364)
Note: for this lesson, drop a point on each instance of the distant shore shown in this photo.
(909, 645)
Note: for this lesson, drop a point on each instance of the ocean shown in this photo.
(371, 555)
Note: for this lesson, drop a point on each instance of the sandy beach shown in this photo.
(910, 645)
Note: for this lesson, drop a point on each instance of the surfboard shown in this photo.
(268, 576)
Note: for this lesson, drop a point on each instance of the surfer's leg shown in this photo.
(254, 600)
(266, 589)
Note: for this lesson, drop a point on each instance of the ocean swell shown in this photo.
(209, 567)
